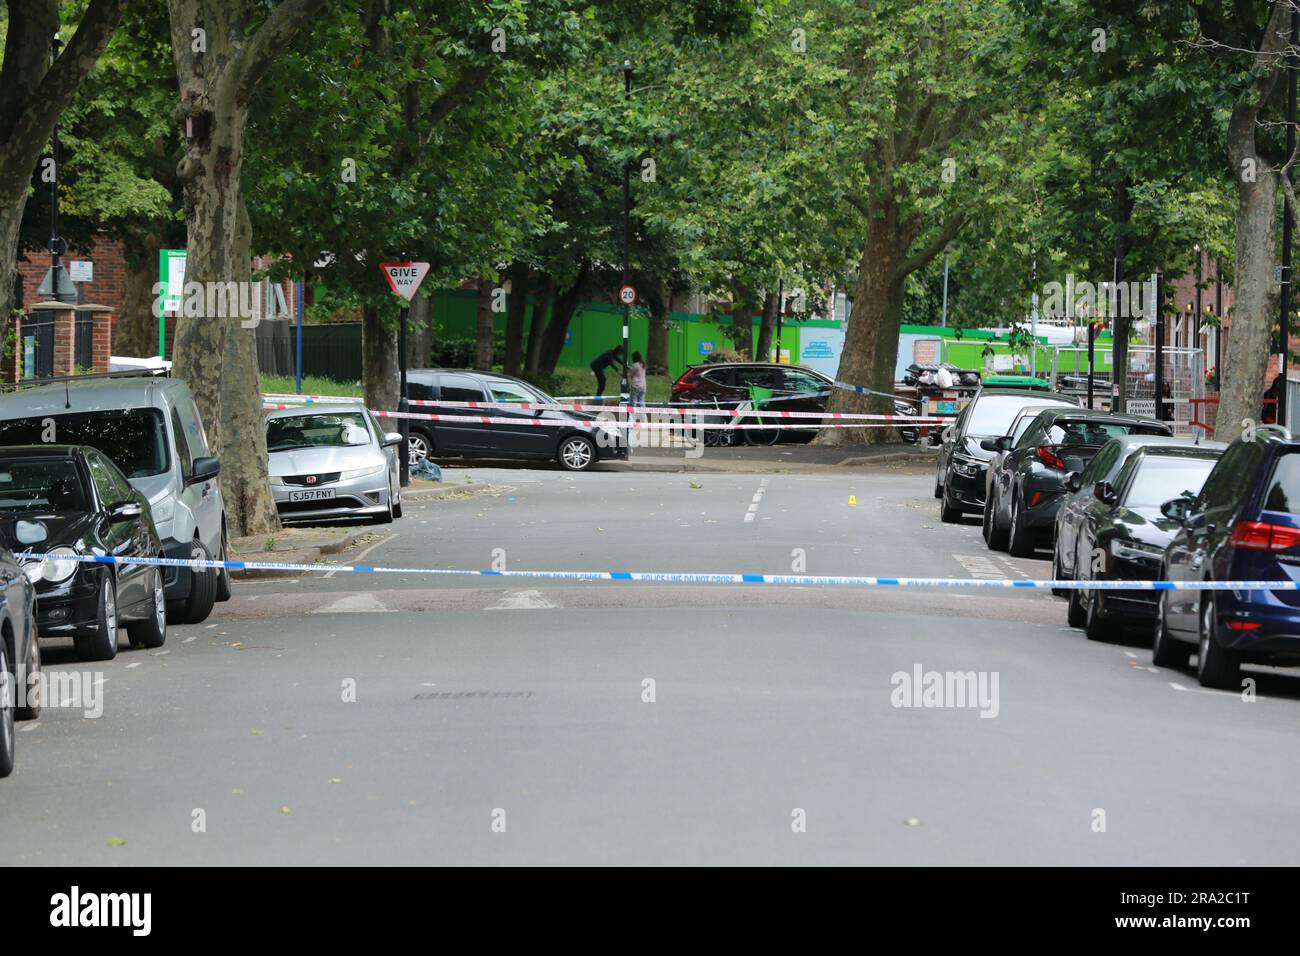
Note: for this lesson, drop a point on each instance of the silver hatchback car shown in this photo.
(335, 461)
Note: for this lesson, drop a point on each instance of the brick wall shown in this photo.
(105, 289)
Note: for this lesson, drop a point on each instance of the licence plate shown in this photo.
(314, 494)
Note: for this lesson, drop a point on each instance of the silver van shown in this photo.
(150, 427)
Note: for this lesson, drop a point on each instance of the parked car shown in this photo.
(1028, 484)
(20, 699)
(1105, 466)
(334, 461)
(574, 447)
(1019, 425)
(726, 385)
(1244, 525)
(959, 478)
(150, 427)
(72, 500)
(1121, 533)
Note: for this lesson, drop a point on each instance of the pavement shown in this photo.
(334, 718)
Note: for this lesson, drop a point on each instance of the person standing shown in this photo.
(603, 361)
(636, 380)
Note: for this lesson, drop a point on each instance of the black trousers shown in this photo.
(600, 380)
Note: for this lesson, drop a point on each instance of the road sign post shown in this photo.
(404, 279)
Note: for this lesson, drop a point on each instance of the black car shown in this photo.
(1243, 526)
(66, 500)
(1120, 533)
(960, 474)
(575, 447)
(20, 656)
(1028, 485)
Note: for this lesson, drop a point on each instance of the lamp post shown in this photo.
(626, 68)
(780, 312)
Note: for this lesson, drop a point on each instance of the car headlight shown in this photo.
(1136, 551)
(276, 481)
(52, 569)
(362, 472)
(163, 510)
(967, 467)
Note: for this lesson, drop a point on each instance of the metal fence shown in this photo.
(330, 351)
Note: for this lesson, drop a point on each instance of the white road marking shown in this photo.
(192, 637)
(357, 559)
(522, 601)
(980, 566)
(132, 664)
(361, 603)
(756, 500)
(29, 726)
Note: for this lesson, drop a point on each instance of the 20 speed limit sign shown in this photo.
(627, 295)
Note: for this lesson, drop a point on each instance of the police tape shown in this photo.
(689, 577)
(603, 424)
(278, 402)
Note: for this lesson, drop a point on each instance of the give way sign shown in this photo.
(404, 278)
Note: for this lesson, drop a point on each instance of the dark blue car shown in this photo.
(1244, 525)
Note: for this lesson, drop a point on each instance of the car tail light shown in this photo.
(1243, 625)
(1264, 536)
(687, 381)
(1048, 456)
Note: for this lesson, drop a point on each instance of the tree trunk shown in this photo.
(871, 338)
(537, 323)
(216, 355)
(32, 96)
(656, 359)
(1250, 341)
(763, 351)
(515, 318)
(558, 328)
(419, 332)
(484, 327)
(135, 332)
(380, 374)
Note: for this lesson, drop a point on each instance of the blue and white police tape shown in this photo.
(693, 577)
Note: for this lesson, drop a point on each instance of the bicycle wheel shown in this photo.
(760, 436)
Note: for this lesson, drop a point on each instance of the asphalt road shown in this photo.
(485, 705)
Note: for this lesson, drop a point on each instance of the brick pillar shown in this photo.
(65, 355)
(102, 341)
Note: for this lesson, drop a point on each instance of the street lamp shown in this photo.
(626, 68)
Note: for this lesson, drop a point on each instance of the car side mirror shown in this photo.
(1104, 492)
(1073, 481)
(391, 439)
(946, 434)
(991, 444)
(204, 469)
(1176, 509)
(125, 511)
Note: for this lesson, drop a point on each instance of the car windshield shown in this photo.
(135, 439)
(992, 414)
(325, 430)
(44, 485)
(1160, 478)
(1085, 431)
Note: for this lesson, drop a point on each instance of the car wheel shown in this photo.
(576, 453)
(1216, 666)
(203, 591)
(1075, 614)
(997, 533)
(397, 508)
(7, 695)
(418, 448)
(1097, 624)
(1020, 538)
(986, 521)
(152, 631)
(31, 707)
(1165, 650)
(101, 643)
(938, 482)
(1057, 573)
(223, 574)
(387, 516)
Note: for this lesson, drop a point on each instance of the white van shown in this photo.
(150, 427)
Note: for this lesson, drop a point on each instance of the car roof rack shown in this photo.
(88, 377)
(1272, 428)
